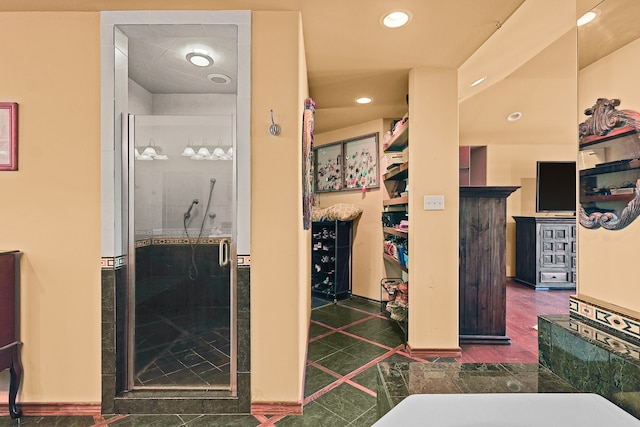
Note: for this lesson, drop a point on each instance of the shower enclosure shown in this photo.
(182, 257)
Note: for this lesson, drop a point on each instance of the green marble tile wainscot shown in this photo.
(244, 291)
(584, 365)
(592, 360)
(544, 342)
(383, 399)
(625, 389)
(244, 345)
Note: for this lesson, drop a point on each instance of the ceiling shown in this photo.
(349, 54)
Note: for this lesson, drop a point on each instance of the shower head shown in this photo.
(213, 182)
(187, 214)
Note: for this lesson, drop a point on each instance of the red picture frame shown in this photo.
(8, 136)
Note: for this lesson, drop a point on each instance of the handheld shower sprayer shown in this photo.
(193, 268)
(187, 214)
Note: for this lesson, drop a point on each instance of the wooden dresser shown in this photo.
(10, 324)
(546, 252)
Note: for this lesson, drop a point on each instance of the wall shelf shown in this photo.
(394, 261)
(397, 201)
(609, 150)
(399, 141)
(397, 174)
(395, 231)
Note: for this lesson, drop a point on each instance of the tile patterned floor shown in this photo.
(346, 341)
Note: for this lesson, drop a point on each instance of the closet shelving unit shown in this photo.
(393, 291)
(331, 259)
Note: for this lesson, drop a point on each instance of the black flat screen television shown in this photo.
(556, 187)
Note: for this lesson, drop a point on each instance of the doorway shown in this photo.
(178, 141)
(181, 276)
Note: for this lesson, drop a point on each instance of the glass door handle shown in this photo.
(223, 252)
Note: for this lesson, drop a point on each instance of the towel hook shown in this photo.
(274, 129)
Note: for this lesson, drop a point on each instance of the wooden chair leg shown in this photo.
(15, 377)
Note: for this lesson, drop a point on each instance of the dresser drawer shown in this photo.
(554, 276)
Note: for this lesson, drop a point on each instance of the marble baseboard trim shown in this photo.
(276, 408)
(155, 241)
(54, 409)
(430, 353)
(616, 344)
(112, 263)
(622, 324)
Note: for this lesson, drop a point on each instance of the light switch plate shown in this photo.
(433, 203)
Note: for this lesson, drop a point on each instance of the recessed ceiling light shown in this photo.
(516, 115)
(586, 18)
(396, 19)
(220, 79)
(477, 82)
(200, 58)
(363, 100)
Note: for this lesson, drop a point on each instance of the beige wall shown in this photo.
(51, 205)
(516, 165)
(280, 249)
(433, 241)
(606, 259)
(367, 263)
(546, 95)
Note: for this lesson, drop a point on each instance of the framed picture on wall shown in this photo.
(8, 136)
(351, 164)
(328, 168)
(361, 162)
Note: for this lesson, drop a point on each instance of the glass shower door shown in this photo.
(182, 284)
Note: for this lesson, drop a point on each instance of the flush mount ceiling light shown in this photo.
(477, 82)
(396, 19)
(586, 18)
(516, 115)
(364, 100)
(200, 58)
(220, 79)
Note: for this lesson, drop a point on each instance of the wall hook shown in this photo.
(274, 129)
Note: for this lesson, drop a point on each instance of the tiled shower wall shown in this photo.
(164, 189)
(114, 356)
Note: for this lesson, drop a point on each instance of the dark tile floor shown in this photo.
(346, 341)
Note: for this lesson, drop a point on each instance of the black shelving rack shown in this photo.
(331, 243)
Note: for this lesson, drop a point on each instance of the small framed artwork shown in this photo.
(361, 162)
(8, 136)
(328, 168)
(351, 164)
